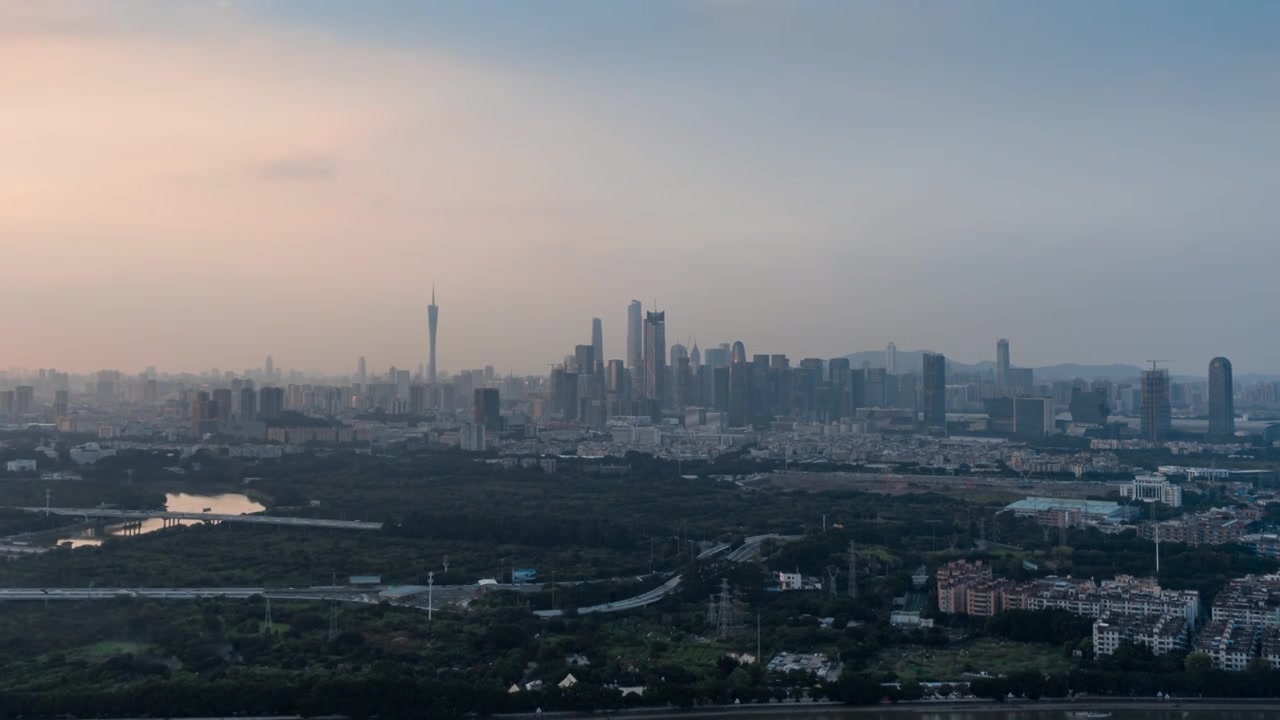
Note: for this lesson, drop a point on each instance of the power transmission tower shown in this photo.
(267, 626)
(832, 574)
(333, 620)
(726, 611)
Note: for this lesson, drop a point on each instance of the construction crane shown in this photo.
(1153, 363)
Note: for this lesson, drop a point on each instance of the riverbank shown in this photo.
(827, 708)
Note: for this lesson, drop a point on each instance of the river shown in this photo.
(224, 504)
(1079, 711)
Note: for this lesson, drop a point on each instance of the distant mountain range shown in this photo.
(912, 361)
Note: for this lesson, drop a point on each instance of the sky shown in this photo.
(197, 185)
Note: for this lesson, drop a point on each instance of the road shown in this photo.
(214, 517)
(646, 598)
(339, 594)
(751, 546)
(442, 594)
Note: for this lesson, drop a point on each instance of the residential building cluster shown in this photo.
(1245, 624)
(1126, 608)
(1217, 526)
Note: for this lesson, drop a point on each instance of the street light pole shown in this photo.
(431, 585)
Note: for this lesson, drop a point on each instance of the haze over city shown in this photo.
(196, 185)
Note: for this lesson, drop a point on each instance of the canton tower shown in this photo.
(433, 321)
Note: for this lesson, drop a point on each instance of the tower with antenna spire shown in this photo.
(433, 322)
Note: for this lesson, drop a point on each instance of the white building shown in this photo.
(1153, 489)
(790, 581)
(89, 453)
(17, 466)
(472, 437)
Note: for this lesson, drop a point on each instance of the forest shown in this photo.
(594, 536)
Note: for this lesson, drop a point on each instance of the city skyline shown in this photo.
(766, 171)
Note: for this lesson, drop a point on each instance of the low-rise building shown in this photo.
(1048, 510)
(1230, 644)
(1162, 634)
(18, 466)
(1218, 526)
(1253, 600)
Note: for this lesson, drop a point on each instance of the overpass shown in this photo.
(641, 600)
(113, 513)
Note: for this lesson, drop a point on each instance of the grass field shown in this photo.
(991, 656)
(106, 650)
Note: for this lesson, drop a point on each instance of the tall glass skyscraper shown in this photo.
(655, 356)
(935, 391)
(1222, 412)
(635, 344)
(1002, 365)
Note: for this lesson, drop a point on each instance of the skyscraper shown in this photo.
(433, 321)
(635, 346)
(1222, 415)
(25, 400)
(935, 391)
(269, 368)
(891, 359)
(597, 344)
(1002, 364)
(655, 358)
(486, 409)
(60, 404)
(1157, 418)
(221, 404)
(270, 402)
(678, 351)
(248, 404)
(584, 360)
(362, 375)
(739, 386)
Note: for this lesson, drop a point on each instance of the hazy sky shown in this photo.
(197, 184)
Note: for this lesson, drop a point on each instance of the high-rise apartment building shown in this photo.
(1222, 413)
(203, 410)
(655, 358)
(24, 399)
(60, 404)
(248, 404)
(433, 323)
(1156, 415)
(935, 391)
(222, 404)
(635, 342)
(1020, 382)
(1002, 364)
(270, 402)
